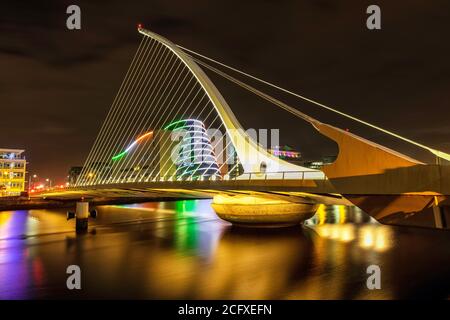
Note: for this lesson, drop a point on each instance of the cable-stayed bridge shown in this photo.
(170, 133)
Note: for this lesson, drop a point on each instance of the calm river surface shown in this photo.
(182, 250)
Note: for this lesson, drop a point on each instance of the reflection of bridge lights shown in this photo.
(369, 237)
(335, 232)
(339, 213)
(383, 239)
(348, 233)
(375, 237)
(340, 232)
(324, 230)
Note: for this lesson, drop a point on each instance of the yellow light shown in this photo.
(335, 231)
(245, 199)
(321, 214)
(367, 237)
(342, 213)
(382, 241)
(324, 230)
(340, 232)
(348, 233)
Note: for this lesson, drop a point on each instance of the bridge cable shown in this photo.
(138, 112)
(438, 153)
(111, 139)
(122, 123)
(84, 175)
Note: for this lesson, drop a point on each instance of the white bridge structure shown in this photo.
(169, 130)
(165, 85)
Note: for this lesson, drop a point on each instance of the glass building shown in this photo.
(196, 159)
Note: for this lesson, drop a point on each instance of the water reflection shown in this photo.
(373, 237)
(182, 250)
(17, 268)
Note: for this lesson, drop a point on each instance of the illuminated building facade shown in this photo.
(285, 152)
(13, 169)
(195, 154)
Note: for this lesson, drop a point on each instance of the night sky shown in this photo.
(57, 85)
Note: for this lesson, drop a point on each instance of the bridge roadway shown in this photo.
(294, 189)
(393, 196)
(425, 180)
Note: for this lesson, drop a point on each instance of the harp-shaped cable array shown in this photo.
(162, 89)
(135, 142)
(168, 119)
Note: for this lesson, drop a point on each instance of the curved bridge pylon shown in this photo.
(168, 114)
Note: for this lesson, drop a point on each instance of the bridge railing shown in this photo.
(247, 176)
(285, 175)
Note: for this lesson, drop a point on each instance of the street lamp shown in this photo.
(34, 176)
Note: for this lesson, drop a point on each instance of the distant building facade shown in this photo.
(287, 153)
(13, 171)
(319, 164)
(74, 173)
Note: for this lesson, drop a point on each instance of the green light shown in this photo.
(174, 124)
(120, 155)
(186, 229)
(183, 123)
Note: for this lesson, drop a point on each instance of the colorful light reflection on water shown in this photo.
(181, 249)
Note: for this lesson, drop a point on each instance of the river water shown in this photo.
(182, 250)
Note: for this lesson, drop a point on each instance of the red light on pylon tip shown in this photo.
(139, 26)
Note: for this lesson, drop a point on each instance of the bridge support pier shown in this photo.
(81, 216)
(439, 215)
(257, 211)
